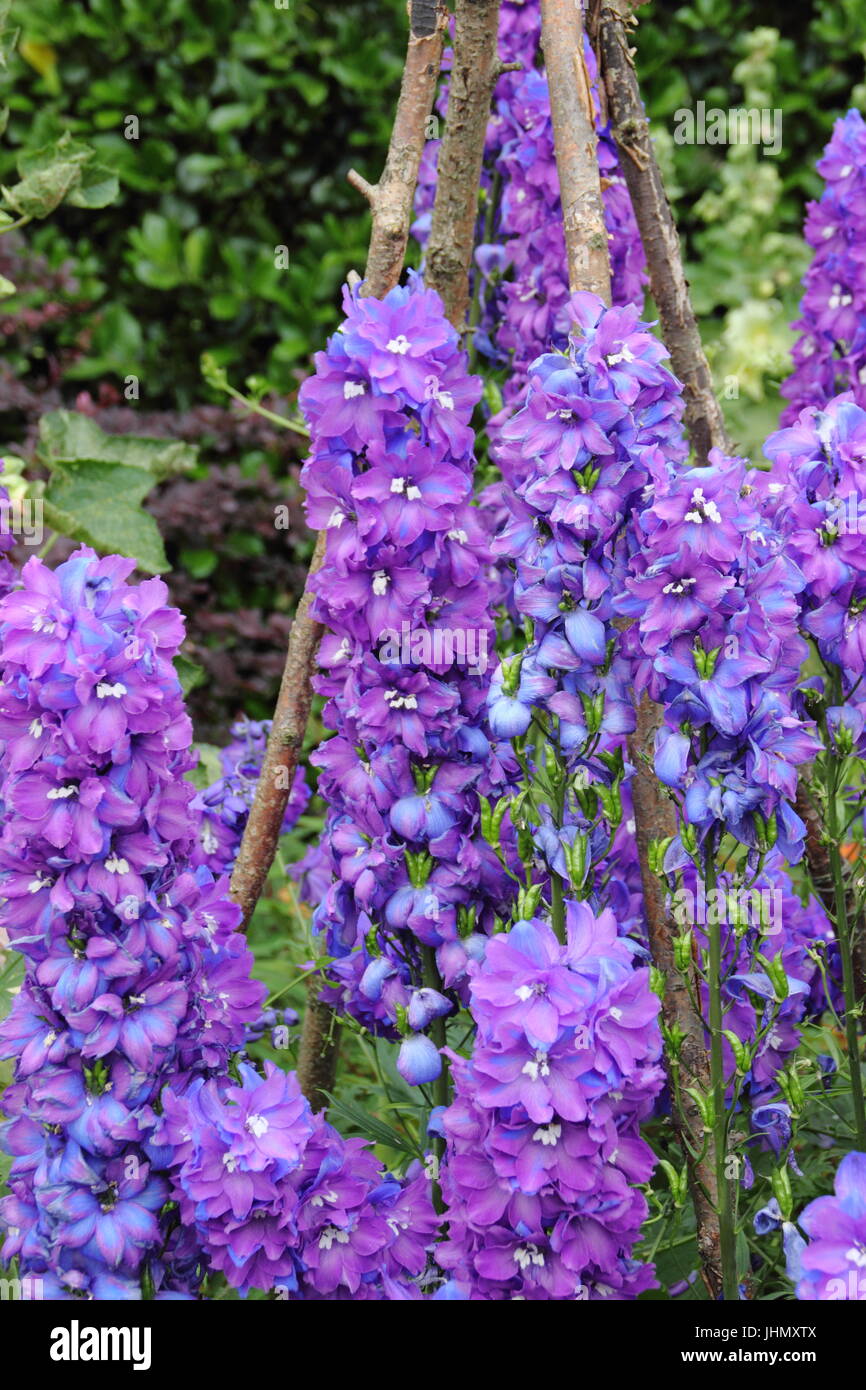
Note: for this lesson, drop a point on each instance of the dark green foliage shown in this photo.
(248, 118)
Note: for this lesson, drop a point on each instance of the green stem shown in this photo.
(14, 226)
(557, 888)
(475, 307)
(296, 426)
(46, 545)
(728, 1244)
(557, 906)
(843, 936)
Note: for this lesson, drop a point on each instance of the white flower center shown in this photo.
(322, 1197)
(525, 992)
(332, 1234)
(838, 299)
(257, 1125)
(395, 700)
(548, 1135)
(625, 356)
(704, 509)
(209, 841)
(61, 793)
(537, 1066)
(528, 1255)
(400, 345)
(351, 389)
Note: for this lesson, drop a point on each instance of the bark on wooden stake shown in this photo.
(655, 820)
(575, 140)
(391, 205)
(610, 19)
(455, 212)
(391, 199)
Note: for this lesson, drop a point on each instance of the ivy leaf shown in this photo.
(65, 168)
(99, 503)
(66, 436)
(98, 187)
(48, 174)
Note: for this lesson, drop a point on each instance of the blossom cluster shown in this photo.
(715, 598)
(543, 1150)
(279, 1201)
(135, 975)
(224, 805)
(596, 422)
(830, 353)
(406, 596)
(818, 499)
(770, 979)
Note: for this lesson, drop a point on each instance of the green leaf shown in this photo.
(370, 1125)
(99, 504)
(8, 34)
(98, 187)
(53, 172)
(196, 248)
(65, 436)
(234, 115)
(208, 769)
(191, 676)
(199, 563)
(156, 252)
(117, 347)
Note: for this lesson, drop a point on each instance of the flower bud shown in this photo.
(418, 1060)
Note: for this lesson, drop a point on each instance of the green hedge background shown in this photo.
(249, 116)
